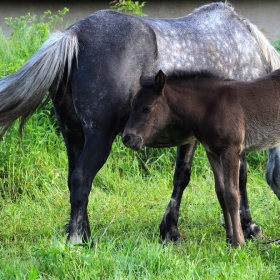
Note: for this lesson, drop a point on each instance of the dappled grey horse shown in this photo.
(92, 71)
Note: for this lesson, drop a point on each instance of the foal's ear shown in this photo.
(160, 79)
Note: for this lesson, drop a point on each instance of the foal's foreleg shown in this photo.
(169, 224)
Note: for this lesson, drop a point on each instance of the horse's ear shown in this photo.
(160, 79)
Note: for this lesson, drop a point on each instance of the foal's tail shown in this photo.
(22, 92)
(270, 53)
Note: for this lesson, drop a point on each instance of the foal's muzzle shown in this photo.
(132, 141)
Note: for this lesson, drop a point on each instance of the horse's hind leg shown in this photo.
(273, 170)
(73, 135)
(169, 224)
(95, 153)
(86, 155)
(250, 229)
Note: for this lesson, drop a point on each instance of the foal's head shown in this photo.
(149, 112)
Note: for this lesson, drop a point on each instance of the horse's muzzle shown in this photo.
(132, 141)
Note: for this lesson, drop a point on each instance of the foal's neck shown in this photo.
(193, 99)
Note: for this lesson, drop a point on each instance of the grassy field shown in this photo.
(128, 198)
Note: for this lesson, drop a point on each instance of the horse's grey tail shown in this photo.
(22, 92)
(269, 52)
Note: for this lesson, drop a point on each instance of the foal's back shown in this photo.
(230, 111)
(259, 102)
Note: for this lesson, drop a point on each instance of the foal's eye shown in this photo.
(147, 109)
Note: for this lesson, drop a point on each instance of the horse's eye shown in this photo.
(147, 109)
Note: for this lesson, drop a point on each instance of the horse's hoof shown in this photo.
(172, 235)
(80, 242)
(174, 240)
(252, 231)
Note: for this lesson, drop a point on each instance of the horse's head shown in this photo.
(149, 112)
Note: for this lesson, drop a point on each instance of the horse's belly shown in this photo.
(263, 139)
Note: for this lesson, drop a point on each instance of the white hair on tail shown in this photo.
(22, 92)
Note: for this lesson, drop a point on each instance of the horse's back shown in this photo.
(115, 42)
(213, 37)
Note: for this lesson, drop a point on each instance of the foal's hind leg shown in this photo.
(169, 224)
(226, 172)
(250, 229)
(230, 160)
(220, 188)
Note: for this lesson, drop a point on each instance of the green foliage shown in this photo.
(29, 32)
(32, 240)
(130, 7)
(276, 44)
(40, 25)
(27, 35)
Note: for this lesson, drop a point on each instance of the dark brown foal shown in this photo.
(226, 116)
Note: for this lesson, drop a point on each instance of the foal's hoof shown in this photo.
(251, 230)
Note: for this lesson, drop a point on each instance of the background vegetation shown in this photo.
(127, 201)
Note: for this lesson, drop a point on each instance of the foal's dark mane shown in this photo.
(186, 76)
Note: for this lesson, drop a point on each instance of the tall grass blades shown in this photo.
(28, 34)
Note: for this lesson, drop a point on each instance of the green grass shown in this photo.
(126, 206)
(128, 199)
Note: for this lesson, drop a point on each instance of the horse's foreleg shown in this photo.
(169, 223)
(95, 153)
(273, 170)
(248, 225)
(230, 164)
